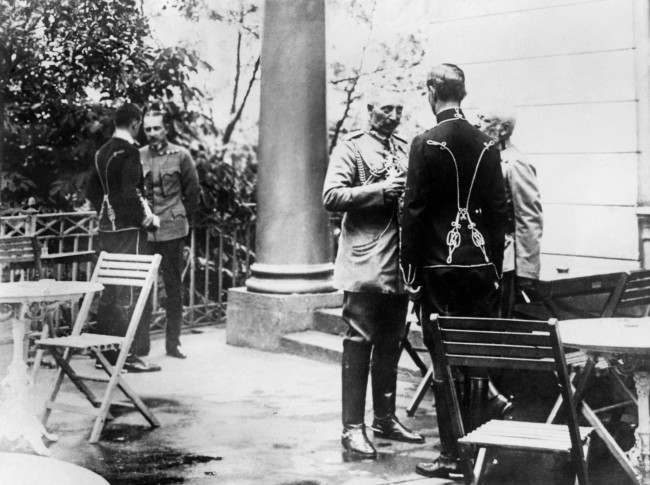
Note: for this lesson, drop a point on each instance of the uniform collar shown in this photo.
(123, 134)
(449, 114)
(164, 148)
(159, 148)
(383, 139)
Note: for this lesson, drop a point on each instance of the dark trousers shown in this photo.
(116, 303)
(171, 268)
(452, 293)
(376, 325)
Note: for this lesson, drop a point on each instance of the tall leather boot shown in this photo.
(477, 403)
(354, 372)
(383, 372)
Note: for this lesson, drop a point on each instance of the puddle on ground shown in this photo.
(150, 467)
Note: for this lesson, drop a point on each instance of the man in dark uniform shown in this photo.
(365, 179)
(115, 189)
(453, 231)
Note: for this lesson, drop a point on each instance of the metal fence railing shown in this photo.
(216, 258)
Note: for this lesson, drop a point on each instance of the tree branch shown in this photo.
(349, 92)
(231, 126)
(235, 90)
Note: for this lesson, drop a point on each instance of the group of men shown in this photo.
(454, 225)
(145, 199)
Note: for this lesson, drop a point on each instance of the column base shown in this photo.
(259, 320)
(291, 278)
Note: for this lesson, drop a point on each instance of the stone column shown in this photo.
(293, 241)
(293, 269)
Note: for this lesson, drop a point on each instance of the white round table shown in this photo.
(17, 424)
(23, 469)
(628, 340)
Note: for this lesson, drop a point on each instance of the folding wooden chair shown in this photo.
(111, 269)
(509, 344)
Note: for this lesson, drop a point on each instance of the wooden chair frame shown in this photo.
(509, 344)
(111, 269)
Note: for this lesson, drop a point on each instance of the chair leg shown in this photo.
(423, 386)
(479, 465)
(56, 387)
(142, 407)
(76, 380)
(465, 453)
(98, 425)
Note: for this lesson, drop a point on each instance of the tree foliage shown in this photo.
(65, 64)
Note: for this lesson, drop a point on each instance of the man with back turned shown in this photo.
(452, 234)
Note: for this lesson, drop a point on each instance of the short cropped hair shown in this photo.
(126, 114)
(449, 82)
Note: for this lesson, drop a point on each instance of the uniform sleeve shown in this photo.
(189, 183)
(94, 192)
(529, 223)
(133, 183)
(416, 195)
(496, 209)
(339, 192)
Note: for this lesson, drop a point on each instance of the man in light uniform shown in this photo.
(365, 179)
(173, 186)
(525, 226)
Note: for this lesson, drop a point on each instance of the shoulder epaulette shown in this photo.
(354, 134)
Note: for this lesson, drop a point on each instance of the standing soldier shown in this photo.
(173, 184)
(453, 233)
(365, 179)
(115, 190)
(521, 260)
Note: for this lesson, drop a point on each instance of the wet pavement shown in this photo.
(240, 416)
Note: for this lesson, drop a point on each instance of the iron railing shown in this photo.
(216, 258)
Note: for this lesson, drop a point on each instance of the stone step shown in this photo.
(327, 347)
(330, 320)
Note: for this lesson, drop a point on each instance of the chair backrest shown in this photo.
(134, 270)
(21, 251)
(636, 291)
(505, 343)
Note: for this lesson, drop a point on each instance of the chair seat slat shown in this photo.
(82, 341)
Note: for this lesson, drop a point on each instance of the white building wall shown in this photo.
(569, 69)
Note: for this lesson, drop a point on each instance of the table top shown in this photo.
(618, 335)
(24, 469)
(44, 290)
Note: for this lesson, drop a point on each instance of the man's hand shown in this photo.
(151, 222)
(394, 186)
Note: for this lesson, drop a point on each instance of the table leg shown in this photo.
(640, 452)
(17, 424)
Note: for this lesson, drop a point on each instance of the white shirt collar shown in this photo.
(124, 135)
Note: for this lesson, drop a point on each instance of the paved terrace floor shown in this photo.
(234, 415)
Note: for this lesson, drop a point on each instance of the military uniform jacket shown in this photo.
(432, 196)
(368, 251)
(115, 187)
(526, 223)
(172, 187)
